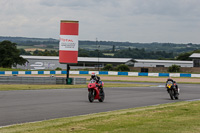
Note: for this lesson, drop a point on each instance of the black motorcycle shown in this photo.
(173, 92)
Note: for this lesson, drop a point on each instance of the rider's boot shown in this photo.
(178, 91)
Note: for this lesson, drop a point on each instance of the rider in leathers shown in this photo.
(97, 79)
(175, 84)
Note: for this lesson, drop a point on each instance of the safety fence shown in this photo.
(40, 80)
(100, 73)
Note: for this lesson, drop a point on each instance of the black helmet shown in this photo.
(93, 75)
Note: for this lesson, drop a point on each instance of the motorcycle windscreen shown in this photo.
(169, 84)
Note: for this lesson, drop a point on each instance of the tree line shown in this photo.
(107, 45)
(124, 53)
(10, 55)
(134, 53)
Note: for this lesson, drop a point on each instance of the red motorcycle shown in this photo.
(95, 91)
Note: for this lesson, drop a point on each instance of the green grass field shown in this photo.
(35, 47)
(110, 54)
(10, 69)
(180, 117)
(24, 47)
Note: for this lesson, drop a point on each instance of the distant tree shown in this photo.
(23, 52)
(58, 68)
(10, 55)
(96, 53)
(142, 54)
(45, 53)
(113, 48)
(108, 67)
(174, 68)
(83, 53)
(184, 56)
(122, 67)
(50, 46)
(36, 52)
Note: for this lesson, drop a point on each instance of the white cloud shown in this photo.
(112, 20)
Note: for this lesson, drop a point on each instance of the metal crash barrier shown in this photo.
(40, 80)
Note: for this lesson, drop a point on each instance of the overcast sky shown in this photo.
(176, 21)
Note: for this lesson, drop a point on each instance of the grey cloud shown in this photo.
(168, 7)
(67, 3)
(120, 20)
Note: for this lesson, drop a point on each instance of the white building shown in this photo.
(52, 62)
(196, 59)
(162, 63)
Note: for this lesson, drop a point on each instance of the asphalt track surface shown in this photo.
(36, 105)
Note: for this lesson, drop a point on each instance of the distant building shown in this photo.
(162, 63)
(52, 62)
(196, 59)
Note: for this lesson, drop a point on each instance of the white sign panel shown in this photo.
(68, 42)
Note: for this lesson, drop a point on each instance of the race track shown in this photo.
(37, 105)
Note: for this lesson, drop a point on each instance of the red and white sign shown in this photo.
(68, 46)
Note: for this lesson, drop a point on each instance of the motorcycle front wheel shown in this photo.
(91, 96)
(171, 94)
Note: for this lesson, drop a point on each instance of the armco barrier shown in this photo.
(39, 80)
(100, 73)
(79, 81)
(143, 74)
(164, 74)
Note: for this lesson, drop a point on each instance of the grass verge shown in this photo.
(5, 87)
(177, 117)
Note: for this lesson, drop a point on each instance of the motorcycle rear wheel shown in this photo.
(176, 96)
(102, 96)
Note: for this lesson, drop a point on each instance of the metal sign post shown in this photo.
(67, 73)
(68, 45)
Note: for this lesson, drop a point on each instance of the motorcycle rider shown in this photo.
(176, 86)
(169, 79)
(174, 83)
(97, 79)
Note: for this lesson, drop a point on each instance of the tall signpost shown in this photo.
(68, 46)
